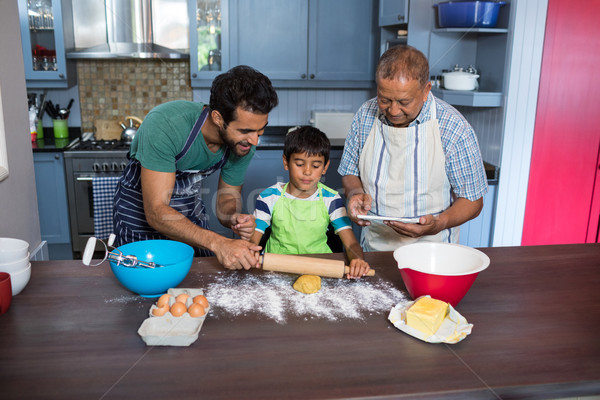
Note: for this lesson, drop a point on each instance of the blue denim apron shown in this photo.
(129, 219)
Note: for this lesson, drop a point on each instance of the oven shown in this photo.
(85, 161)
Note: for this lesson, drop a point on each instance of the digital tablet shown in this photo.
(414, 220)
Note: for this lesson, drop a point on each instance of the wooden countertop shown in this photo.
(535, 310)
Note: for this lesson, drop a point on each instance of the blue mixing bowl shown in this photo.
(175, 258)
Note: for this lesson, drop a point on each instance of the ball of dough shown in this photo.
(308, 284)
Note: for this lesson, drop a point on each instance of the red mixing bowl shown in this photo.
(445, 271)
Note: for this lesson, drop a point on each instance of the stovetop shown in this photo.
(99, 145)
(87, 146)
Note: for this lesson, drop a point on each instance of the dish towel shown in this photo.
(103, 192)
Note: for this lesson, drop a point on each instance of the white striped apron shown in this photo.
(403, 169)
(129, 219)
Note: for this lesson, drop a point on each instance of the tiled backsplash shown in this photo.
(114, 89)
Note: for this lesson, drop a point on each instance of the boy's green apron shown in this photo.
(298, 226)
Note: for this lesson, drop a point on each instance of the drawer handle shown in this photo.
(85, 178)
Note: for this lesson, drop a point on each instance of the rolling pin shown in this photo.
(305, 265)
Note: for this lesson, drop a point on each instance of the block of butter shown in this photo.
(424, 323)
(427, 315)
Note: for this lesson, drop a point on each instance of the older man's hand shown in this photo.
(359, 204)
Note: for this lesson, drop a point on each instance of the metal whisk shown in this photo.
(116, 255)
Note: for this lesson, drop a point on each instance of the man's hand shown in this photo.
(243, 225)
(359, 204)
(428, 225)
(461, 211)
(237, 254)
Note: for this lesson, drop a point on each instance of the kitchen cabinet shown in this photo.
(484, 48)
(478, 231)
(209, 198)
(209, 40)
(53, 211)
(46, 35)
(393, 12)
(264, 170)
(393, 20)
(298, 43)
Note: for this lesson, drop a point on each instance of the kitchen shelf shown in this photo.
(471, 30)
(398, 40)
(469, 98)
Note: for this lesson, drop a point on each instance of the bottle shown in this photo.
(442, 78)
(33, 122)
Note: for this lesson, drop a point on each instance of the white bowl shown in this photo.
(15, 266)
(12, 249)
(20, 279)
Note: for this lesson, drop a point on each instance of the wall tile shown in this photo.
(114, 89)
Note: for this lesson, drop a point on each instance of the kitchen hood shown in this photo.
(123, 29)
(127, 50)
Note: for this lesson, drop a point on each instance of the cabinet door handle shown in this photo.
(61, 76)
(80, 179)
(303, 76)
(400, 17)
(312, 76)
(194, 75)
(57, 157)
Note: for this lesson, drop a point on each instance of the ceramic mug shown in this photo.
(5, 292)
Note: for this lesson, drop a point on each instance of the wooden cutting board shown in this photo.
(106, 129)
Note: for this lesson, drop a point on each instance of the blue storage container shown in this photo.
(468, 14)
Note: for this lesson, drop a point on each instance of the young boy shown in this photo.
(299, 212)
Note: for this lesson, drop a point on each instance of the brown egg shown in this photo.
(178, 309)
(160, 311)
(196, 310)
(182, 298)
(200, 299)
(163, 300)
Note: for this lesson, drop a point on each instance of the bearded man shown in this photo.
(179, 144)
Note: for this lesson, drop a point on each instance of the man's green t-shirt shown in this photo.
(164, 133)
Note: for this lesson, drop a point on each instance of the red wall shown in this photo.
(566, 139)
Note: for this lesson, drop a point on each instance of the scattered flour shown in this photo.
(124, 300)
(272, 296)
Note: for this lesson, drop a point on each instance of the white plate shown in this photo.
(414, 220)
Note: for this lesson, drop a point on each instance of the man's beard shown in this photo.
(233, 146)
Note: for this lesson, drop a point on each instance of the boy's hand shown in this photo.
(243, 225)
(358, 268)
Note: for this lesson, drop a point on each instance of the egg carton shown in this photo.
(176, 292)
(168, 330)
